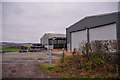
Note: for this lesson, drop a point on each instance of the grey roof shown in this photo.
(46, 36)
(51, 35)
(92, 21)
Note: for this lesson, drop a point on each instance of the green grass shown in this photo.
(28, 47)
(46, 68)
(9, 49)
(43, 67)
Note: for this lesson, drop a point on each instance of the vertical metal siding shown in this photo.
(77, 38)
(107, 32)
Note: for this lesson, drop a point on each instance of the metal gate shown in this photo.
(25, 58)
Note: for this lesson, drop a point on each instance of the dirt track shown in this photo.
(26, 68)
(23, 71)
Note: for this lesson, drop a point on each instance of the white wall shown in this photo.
(78, 38)
(107, 32)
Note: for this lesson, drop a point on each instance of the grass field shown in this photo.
(9, 49)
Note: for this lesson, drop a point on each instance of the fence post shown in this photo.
(87, 50)
(62, 59)
(50, 58)
(118, 56)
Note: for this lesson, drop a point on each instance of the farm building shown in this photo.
(57, 40)
(99, 27)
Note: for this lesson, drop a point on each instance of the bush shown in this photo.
(49, 68)
(100, 46)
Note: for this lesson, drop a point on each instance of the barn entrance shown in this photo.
(77, 38)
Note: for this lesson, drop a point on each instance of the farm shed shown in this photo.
(57, 40)
(98, 27)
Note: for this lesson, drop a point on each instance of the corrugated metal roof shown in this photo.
(96, 20)
(54, 35)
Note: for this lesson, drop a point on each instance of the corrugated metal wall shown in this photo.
(91, 22)
(107, 32)
(77, 38)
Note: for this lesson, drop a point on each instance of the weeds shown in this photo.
(98, 66)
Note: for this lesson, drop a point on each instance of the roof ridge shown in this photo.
(53, 33)
(101, 14)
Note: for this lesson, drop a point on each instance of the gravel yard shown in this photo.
(25, 65)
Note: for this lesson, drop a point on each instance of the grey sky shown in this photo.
(28, 21)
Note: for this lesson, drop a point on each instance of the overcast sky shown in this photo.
(28, 21)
